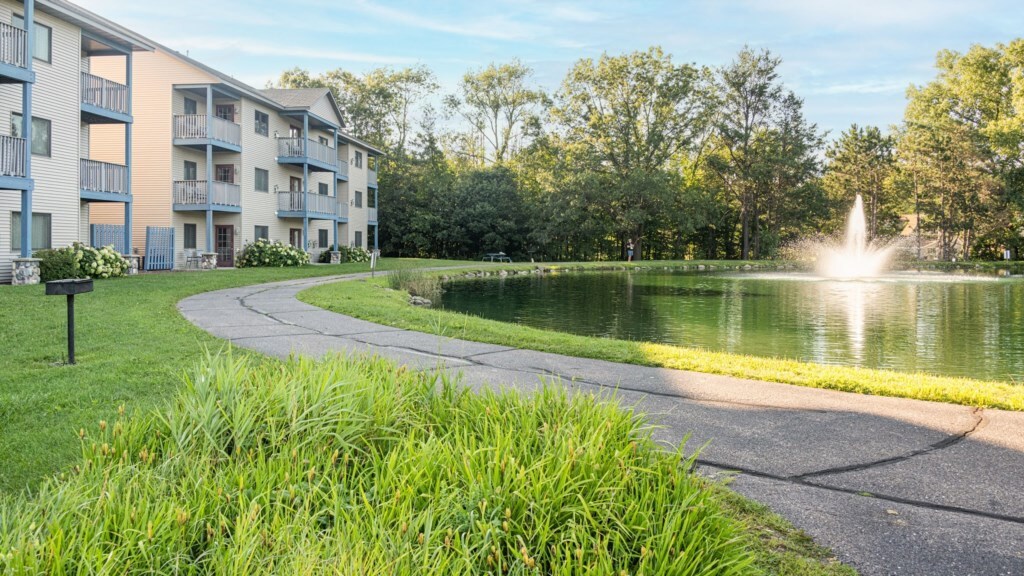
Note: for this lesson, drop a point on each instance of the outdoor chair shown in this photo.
(192, 258)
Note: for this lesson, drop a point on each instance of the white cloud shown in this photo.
(865, 87)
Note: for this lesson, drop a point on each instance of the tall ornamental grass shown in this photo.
(360, 467)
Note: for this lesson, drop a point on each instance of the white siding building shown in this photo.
(52, 109)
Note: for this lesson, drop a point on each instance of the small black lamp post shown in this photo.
(69, 288)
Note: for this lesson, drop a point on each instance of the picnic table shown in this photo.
(496, 257)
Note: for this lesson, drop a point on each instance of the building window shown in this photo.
(40, 133)
(262, 123)
(43, 38)
(371, 200)
(41, 238)
(262, 180)
(359, 239)
(191, 170)
(359, 159)
(325, 141)
(190, 236)
(262, 233)
(322, 238)
(190, 106)
(359, 199)
(294, 132)
(323, 188)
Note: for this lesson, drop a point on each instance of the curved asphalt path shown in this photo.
(893, 486)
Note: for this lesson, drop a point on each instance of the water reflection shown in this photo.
(954, 326)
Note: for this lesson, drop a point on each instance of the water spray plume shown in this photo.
(857, 258)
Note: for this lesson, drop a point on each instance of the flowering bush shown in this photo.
(273, 254)
(348, 254)
(81, 261)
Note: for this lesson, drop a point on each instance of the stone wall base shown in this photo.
(209, 261)
(25, 271)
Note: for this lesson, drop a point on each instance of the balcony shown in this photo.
(319, 157)
(292, 205)
(103, 181)
(371, 178)
(342, 211)
(104, 101)
(12, 164)
(191, 130)
(191, 195)
(342, 170)
(13, 61)
(371, 215)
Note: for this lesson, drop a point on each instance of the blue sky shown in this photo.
(851, 61)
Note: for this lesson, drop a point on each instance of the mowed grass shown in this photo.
(374, 301)
(132, 345)
(360, 466)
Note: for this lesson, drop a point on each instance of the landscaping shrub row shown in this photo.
(263, 253)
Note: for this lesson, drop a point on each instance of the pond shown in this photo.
(915, 322)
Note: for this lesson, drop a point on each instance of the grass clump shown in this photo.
(416, 283)
(362, 467)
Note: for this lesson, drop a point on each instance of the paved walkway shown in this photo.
(893, 486)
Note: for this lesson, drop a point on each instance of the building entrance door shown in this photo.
(224, 244)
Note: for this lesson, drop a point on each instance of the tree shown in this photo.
(499, 106)
(624, 118)
(862, 162)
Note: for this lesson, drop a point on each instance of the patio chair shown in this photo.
(192, 258)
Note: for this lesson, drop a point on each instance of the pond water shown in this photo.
(947, 325)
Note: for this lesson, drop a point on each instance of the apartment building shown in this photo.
(55, 107)
(218, 163)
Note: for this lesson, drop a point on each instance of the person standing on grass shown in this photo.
(629, 250)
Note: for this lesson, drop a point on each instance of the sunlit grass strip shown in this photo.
(359, 467)
(370, 301)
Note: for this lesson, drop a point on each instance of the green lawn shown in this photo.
(132, 345)
(373, 301)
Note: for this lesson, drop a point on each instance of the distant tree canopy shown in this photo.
(684, 161)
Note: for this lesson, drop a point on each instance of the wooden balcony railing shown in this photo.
(288, 147)
(294, 202)
(371, 178)
(193, 126)
(104, 93)
(195, 192)
(12, 45)
(12, 156)
(371, 214)
(342, 209)
(343, 168)
(103, 177)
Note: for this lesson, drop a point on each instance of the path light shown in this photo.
(69, 288)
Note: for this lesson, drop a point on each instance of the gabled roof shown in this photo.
(295, 97)
(371, 149)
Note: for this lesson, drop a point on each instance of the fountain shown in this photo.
(857, 258)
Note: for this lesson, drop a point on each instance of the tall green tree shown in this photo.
(862, 162)
(623, 119)
(500, 106)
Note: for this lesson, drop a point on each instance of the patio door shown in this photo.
(225, 112)
(224, 173)
(224, 244)
(295, 237)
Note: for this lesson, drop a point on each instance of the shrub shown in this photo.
(348, 254)
(81, 261)
(99, 263)
(367, 468)
(57, 264)
(416, 283)
(263, 253)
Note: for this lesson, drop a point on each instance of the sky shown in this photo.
(851, 61)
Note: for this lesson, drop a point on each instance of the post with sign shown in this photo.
(69, 288)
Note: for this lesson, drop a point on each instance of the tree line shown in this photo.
(684, 161)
